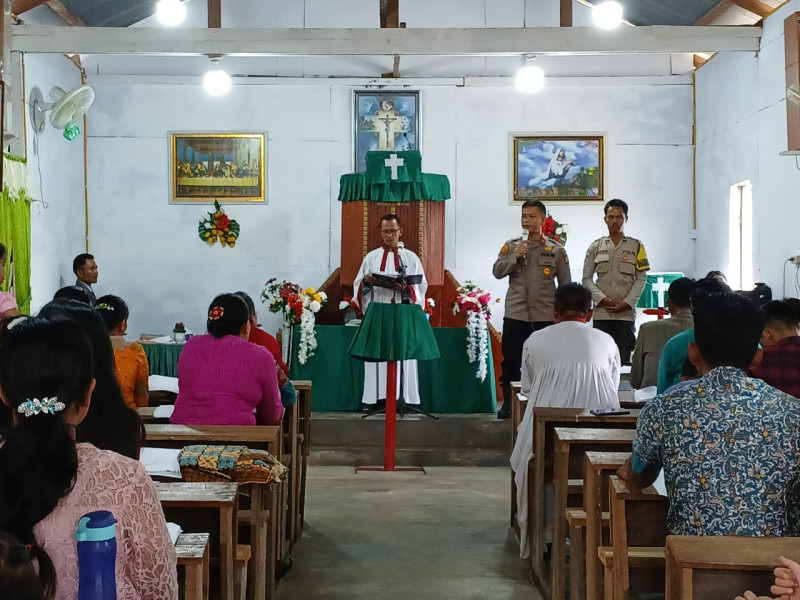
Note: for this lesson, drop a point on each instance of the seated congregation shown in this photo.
(722, 434)
(74, 392)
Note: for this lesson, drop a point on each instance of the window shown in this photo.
(740, 275)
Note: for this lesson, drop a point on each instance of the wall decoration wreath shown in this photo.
(218, 226)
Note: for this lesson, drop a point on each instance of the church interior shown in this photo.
(330, 115)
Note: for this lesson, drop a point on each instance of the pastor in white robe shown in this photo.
(387, 261)
(567, 365)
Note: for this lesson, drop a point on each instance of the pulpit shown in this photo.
(394, 183)
(655, 290)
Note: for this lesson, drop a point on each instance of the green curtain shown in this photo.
(15, 228)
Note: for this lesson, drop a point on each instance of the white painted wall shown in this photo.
(56, 167)
(741, 129)
(149, 253)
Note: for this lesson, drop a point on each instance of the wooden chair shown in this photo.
(571, 445)
(711, 568)
(598, 467)
(638, 536)
(211, 508)
(260, 506)
(540, 472)
(193, 565)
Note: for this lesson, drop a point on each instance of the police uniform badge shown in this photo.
(548, 248)
(566, 259)
(546, 270)
(504, 250)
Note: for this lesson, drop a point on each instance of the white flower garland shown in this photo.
(308, 338)
(478, 342)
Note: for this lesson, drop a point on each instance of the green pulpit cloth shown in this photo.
(401, 180)
(162, 359)
(394, 332)
(446, 385)
(655, 290)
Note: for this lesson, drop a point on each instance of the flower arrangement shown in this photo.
(179, 328)
(298, 307)
(555, 230)
(350, 309)
(476, 305)
(218, 226)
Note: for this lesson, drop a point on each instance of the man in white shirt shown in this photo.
(390, 259)
(567, 365)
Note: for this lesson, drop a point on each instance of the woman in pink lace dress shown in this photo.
(222, 377)
(48, 482)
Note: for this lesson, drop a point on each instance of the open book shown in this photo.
(395, 278)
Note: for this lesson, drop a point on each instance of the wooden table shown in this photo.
(181, 499)
(545, 420)
(265, 508)
(571, 445)
(193, 558)
(597, 468)
(707, 568)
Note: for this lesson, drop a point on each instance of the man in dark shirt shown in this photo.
(780, 366)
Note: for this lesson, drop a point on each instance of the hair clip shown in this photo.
(15, 322)
(47, 405)
(104, 306)
(216, 313)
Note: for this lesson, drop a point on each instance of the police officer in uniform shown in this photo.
(621, 265)
(531, 263)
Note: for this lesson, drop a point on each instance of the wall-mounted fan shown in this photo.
(65, 109)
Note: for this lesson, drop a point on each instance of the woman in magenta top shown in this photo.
(222, 377)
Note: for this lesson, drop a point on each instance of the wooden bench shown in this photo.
(598, 467)
(211, 508)
(571, 445)
(638, 535)
(303, 388)
(540, 472)
(707, 568)
(193, 564)
(518, 405)
(264, 512)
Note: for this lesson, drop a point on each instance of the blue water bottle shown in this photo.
(97, 554)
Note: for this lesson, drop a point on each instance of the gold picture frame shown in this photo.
(226, 167)
(558, 168)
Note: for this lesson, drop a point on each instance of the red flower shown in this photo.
(216, 313)
(222, 221)
(549, 227)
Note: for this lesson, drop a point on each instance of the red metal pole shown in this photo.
(391, 416)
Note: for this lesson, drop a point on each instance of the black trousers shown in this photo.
(623, 334)
(515, 332)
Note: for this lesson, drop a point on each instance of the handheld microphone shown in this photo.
(525, 235)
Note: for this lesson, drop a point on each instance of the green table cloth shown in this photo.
(163, 358)
(394, 332)
(446, 385)
(656, 289)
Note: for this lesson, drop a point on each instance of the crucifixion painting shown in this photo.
(385, 121)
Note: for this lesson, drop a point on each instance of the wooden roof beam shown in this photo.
(383, 42)
(65, 14)
(565, 13)
(20, 6)
(715, 13)
(758, 8)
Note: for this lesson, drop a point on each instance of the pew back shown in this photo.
(711, 568)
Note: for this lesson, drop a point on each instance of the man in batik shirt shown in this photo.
(729, 444)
